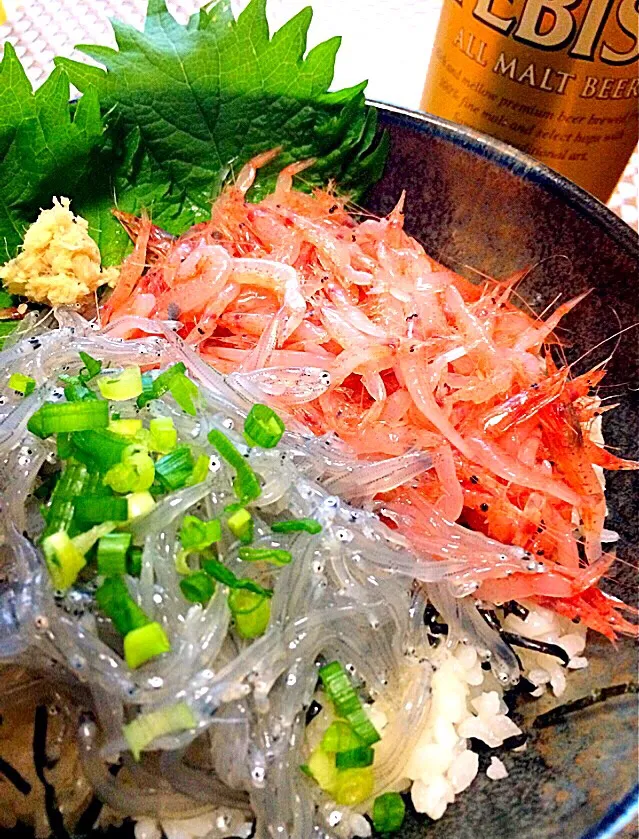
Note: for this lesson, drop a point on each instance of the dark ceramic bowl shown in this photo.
(479, 205)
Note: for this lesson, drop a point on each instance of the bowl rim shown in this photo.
(520, 164)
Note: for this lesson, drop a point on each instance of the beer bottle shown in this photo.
(556, 78)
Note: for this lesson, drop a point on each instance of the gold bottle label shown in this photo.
(556, 78)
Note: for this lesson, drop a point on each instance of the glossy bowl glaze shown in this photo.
(478, 205)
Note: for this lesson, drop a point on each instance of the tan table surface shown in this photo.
(386, 41)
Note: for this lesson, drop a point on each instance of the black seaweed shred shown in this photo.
(536, 646)
(511, 607)
(490, 616)
(510, 743)
(430, 620)
(14, 777)
(593, 698)
(41, 762)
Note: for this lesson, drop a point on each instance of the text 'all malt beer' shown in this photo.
(556, 78)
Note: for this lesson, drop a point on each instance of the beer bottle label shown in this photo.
(556, 78)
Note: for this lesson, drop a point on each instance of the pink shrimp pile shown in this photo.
(419, 359)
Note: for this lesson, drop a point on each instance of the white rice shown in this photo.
(466, 701)
(496, 771)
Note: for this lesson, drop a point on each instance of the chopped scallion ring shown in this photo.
(246, 484)
(347, 703)
(251, 612)
(63, 559)
(125, 385)
(174, 469)
(111, 555)
(389, 811)
(197, 587)
(57, 417)
(263, 427)
(276, 556)
(297, 526)
(355, 758)
(144, 643)
(22, 384)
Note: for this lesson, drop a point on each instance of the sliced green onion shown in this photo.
(153, 389)
(70, 485)
(163, 435)
(146, 728)
(251, 612)
(91, 365)
(355, 758)
(63, 559)
(197, 587)
(148, 391)
(363, 727)
(195, 534)
(112, 551)
(174, 469)
(125, 427)
(185, 392)
(347, 703)
(126, 385)
(134, 561)
(54, 417)
(297, 526)
(246, 484)
(64, 446)
(389, 811)
(276, 556)
(263, 427)
(354, 786)
(122, 478)
(145, 643)
(340, 737)
(96, 510)
(114, 600)
(98, 449)
(139, 504)
(22, 384)
(240, 523)
(200, 471)
(78, 392)
(135, 473)
(321, 766)
(224, 575)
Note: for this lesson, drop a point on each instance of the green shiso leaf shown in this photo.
(188, 105)
(48, 146)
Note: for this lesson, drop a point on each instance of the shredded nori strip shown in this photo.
(490, 616)
(511, 607)
(41, 762)
(510, 743)
(536, 646)
(430, 619)
(594, 697)
(13, 776)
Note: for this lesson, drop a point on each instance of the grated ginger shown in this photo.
(59, 263)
